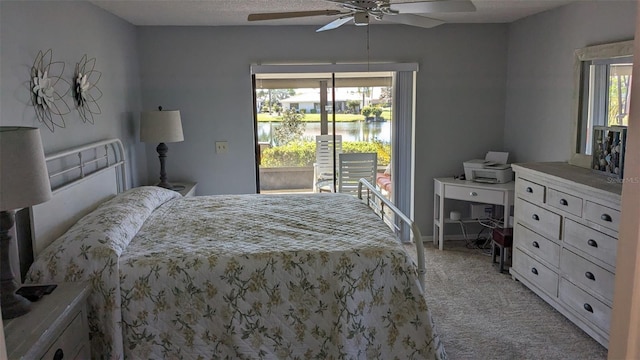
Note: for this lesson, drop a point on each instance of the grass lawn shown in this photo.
(265, 117)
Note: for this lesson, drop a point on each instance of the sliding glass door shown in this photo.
(296, 111)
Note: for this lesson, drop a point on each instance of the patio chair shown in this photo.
(323, 176)
(353, 167)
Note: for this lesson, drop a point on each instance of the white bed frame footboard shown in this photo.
(378, 202)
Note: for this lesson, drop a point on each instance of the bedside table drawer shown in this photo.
(57, 321)
(474, 194)
(71, 341)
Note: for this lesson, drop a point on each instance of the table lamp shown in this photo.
(161, 127)
(24, 181)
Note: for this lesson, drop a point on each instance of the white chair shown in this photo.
(323, 168)
(353, 167)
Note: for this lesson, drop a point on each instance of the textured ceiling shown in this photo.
(234, 12)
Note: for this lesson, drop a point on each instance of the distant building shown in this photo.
(309, 101)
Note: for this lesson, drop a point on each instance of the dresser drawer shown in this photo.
(586, 305)
(592, 242)
(530, 191)
(563, 201)
(474, 194)
(583, 272)
(70, 342)
(535, 272)
(537, 245)
(602, 215)
(538, 219)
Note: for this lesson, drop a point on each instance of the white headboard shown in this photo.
(81, 178)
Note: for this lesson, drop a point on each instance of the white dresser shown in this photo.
(565, 240)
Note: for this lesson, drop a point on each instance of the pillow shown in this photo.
(143, 197)
(387, 170)
(113, 224)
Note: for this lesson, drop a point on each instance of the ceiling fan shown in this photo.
(361, 11)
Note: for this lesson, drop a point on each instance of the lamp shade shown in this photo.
(161, 126)
(24, 180)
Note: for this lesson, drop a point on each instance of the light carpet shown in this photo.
(483, 314)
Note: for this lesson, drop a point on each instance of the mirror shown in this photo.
(602, 91)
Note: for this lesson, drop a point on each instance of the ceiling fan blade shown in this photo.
(291, 14)
(414, 20)
(437, 6)
(336, 23)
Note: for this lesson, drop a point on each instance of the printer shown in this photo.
(493, 169)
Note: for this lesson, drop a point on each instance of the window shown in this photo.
(606, 94)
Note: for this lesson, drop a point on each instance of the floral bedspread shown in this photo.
(259, 277)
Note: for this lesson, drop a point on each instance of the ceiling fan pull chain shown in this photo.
(368, 59)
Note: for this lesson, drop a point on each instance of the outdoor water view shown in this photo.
(350, 131)
(288, 121)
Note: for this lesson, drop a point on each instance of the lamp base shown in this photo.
(13, 305)
(165, 185)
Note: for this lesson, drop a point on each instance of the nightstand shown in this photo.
(55, 328)
(185, 188)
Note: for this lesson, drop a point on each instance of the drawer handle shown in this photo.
(606, 217)
(593, 243)
(534, 270)
(590, 276)
(529, 189)
(59, 355)
(473, 193)
(535, 217)
(563, 202)
(535, 244)
(588, 308)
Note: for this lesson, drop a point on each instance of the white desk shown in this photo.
(465, 190)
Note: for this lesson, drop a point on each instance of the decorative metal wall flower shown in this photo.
(85, 92)
(48, 102)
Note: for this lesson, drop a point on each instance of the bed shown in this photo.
(235, 276)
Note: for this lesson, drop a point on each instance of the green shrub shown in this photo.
(295, 153)
(383, 150)
(299, 153)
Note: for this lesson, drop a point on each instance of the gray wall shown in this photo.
(204, 72)
(540, 86)
(72, 29)
(463, 106)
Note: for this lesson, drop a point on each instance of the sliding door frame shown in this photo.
(403, 126)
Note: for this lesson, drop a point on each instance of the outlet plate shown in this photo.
(222, 147)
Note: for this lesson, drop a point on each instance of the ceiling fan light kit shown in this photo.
(361, 11)
(361, 18)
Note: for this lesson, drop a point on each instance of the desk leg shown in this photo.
(438, 218)
(507, 213)
(441, 232)
(436, 207)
